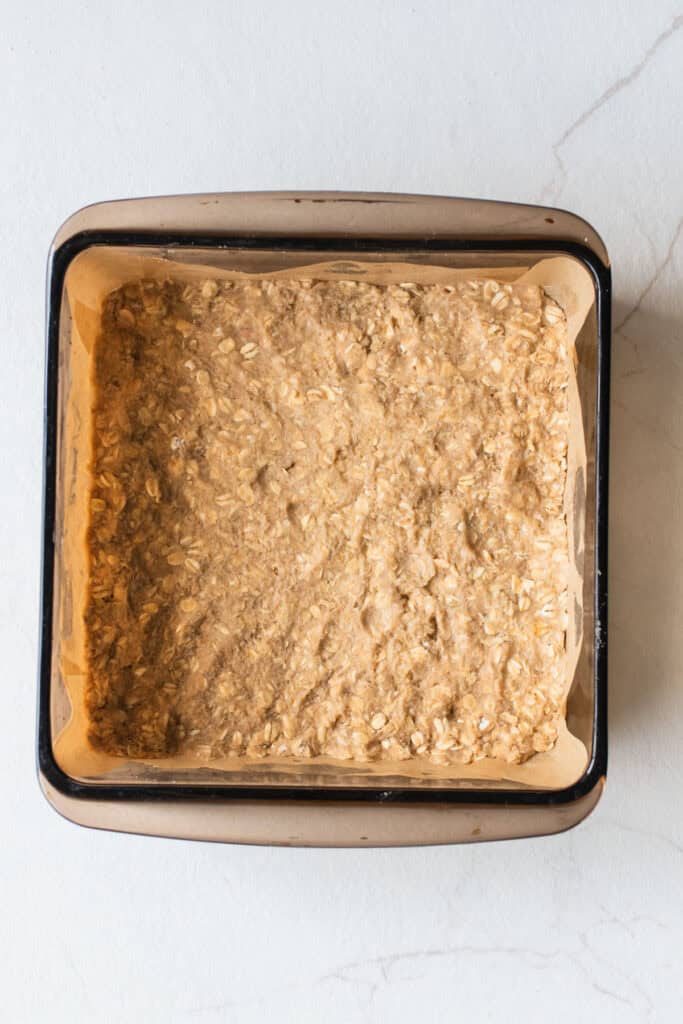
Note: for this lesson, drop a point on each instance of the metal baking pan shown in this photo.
(311, 806)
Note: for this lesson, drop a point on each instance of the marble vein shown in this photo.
(554, 188)
(649, 428)
(595, 956)
(654, 277)
(379, 973)
(647, 834)
(538, 959)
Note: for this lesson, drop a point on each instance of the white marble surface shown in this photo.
(579, 104)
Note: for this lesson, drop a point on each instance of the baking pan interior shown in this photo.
(77, 317)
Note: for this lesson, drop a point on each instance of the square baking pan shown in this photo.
(311, 803)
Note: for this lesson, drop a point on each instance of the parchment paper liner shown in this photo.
(91, 277)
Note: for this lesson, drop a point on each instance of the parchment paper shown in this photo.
(90, 278)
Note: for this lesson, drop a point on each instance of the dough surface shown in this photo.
(327, 519)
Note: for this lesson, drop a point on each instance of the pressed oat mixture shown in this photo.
(327, 519)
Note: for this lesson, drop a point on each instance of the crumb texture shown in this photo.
(327, 519)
